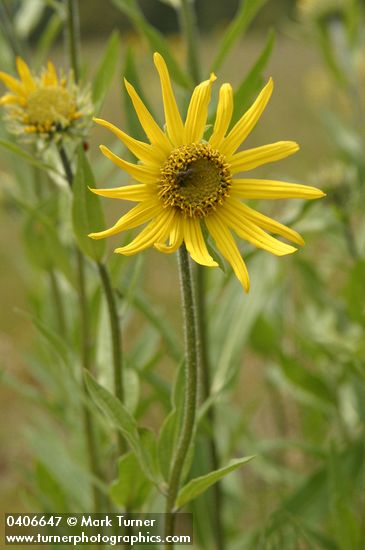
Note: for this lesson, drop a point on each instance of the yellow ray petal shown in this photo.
(141, 213)
(224, 115)
(248, 230)
(247, 122)
(144, 174)
(25, 74)
(143, 151)
(176, 236)
(265, 222)
(155, 231)
(8, 99)
(228, 248)
(271, 189)
(196, 118)
(137, 193)
(50, 77)
(195, 243)
(12, 83)
(252, 158)
(174, 124)
(152, 130)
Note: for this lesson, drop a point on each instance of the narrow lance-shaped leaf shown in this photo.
(197, 486)
(43, 244)
(245, 14)
(120, 417)
(87, 215)
(106, 69)
(132, 487)
(13, 148)
(253, 80)
(155, 39)
(48, 37)
(28, 17)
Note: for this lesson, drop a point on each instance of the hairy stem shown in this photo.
(190, 401)
(190, 30)
(205, 382)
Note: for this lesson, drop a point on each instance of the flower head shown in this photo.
(185, 182)
(46, 106)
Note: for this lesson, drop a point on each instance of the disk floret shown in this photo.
(51, 107)
(194, 180)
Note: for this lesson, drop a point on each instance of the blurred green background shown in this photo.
(309, 318)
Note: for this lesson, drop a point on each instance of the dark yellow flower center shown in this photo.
(195, 179)
(50, 106)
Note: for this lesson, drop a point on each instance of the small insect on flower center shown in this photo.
(50, 106)
(195, 179)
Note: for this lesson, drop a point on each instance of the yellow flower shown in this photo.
(43, 106)
(185, 181)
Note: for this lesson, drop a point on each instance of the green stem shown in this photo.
(56, 293)
(190, 30)
(205, 382)
(190, 401)
(94, 462)
(116, 342)
(73, 36)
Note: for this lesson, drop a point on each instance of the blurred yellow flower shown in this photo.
(185, 181)
(45, 105)
(316, 9)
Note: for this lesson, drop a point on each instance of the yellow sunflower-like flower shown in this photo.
(46, 106)
(185, 181)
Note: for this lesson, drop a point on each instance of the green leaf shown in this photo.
(157, 320)
(120, 417)
(43, 244)
(245, 14)
(309, 382)
(115, 411)
(237, 314)
(166, 443)
(132, 487)
(87, 215)
(13, 148)
(355, 291)
(48, 37)
(131, 381)
(329, 54)
(105, 71)
(28, 17)
(197, 486)
(156, 40)
(55, 454)
(253, 80)
(345, 525)
(51, 491)
(149, 450)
